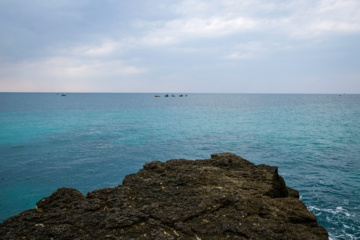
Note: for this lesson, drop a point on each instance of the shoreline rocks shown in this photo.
(224, 197)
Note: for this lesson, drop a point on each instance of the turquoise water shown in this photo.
(91, 141)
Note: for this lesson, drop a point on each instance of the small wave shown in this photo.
(344, 236)
(339, 222)
(338, 210)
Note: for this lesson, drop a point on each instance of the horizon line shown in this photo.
(59, 92)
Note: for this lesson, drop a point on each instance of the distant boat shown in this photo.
(157, 95)
(167, 95)
(181, 95)
(173, 95)
(63, 94)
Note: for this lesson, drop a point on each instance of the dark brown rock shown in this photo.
(225, 197)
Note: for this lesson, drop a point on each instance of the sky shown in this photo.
(187, 46)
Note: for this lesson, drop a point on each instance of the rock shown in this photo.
(225, 197)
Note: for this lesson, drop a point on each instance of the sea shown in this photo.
(90, 141)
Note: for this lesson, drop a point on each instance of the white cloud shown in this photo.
(282, 21)
(75, 68)
(299, 19)
(167, 33)
(240, 55)
(107, 47)
(200, 20)
(182, 29)
(318, 19)
(252, 50)
(103, 49)
(62, 73)
(331, 26)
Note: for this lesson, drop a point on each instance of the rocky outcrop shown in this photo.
(225, 197)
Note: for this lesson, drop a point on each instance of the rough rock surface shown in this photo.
(225, 197)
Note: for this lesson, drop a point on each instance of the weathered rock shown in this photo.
(225, 197)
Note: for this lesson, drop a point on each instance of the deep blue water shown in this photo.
(91, 141)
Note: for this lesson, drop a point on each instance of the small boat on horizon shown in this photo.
(63, 94)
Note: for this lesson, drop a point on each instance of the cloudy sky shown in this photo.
(230, 46)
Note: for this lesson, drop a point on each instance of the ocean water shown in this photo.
(91, 141)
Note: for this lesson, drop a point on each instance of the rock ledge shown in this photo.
(225, 197)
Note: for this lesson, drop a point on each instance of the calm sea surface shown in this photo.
(91, 141)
